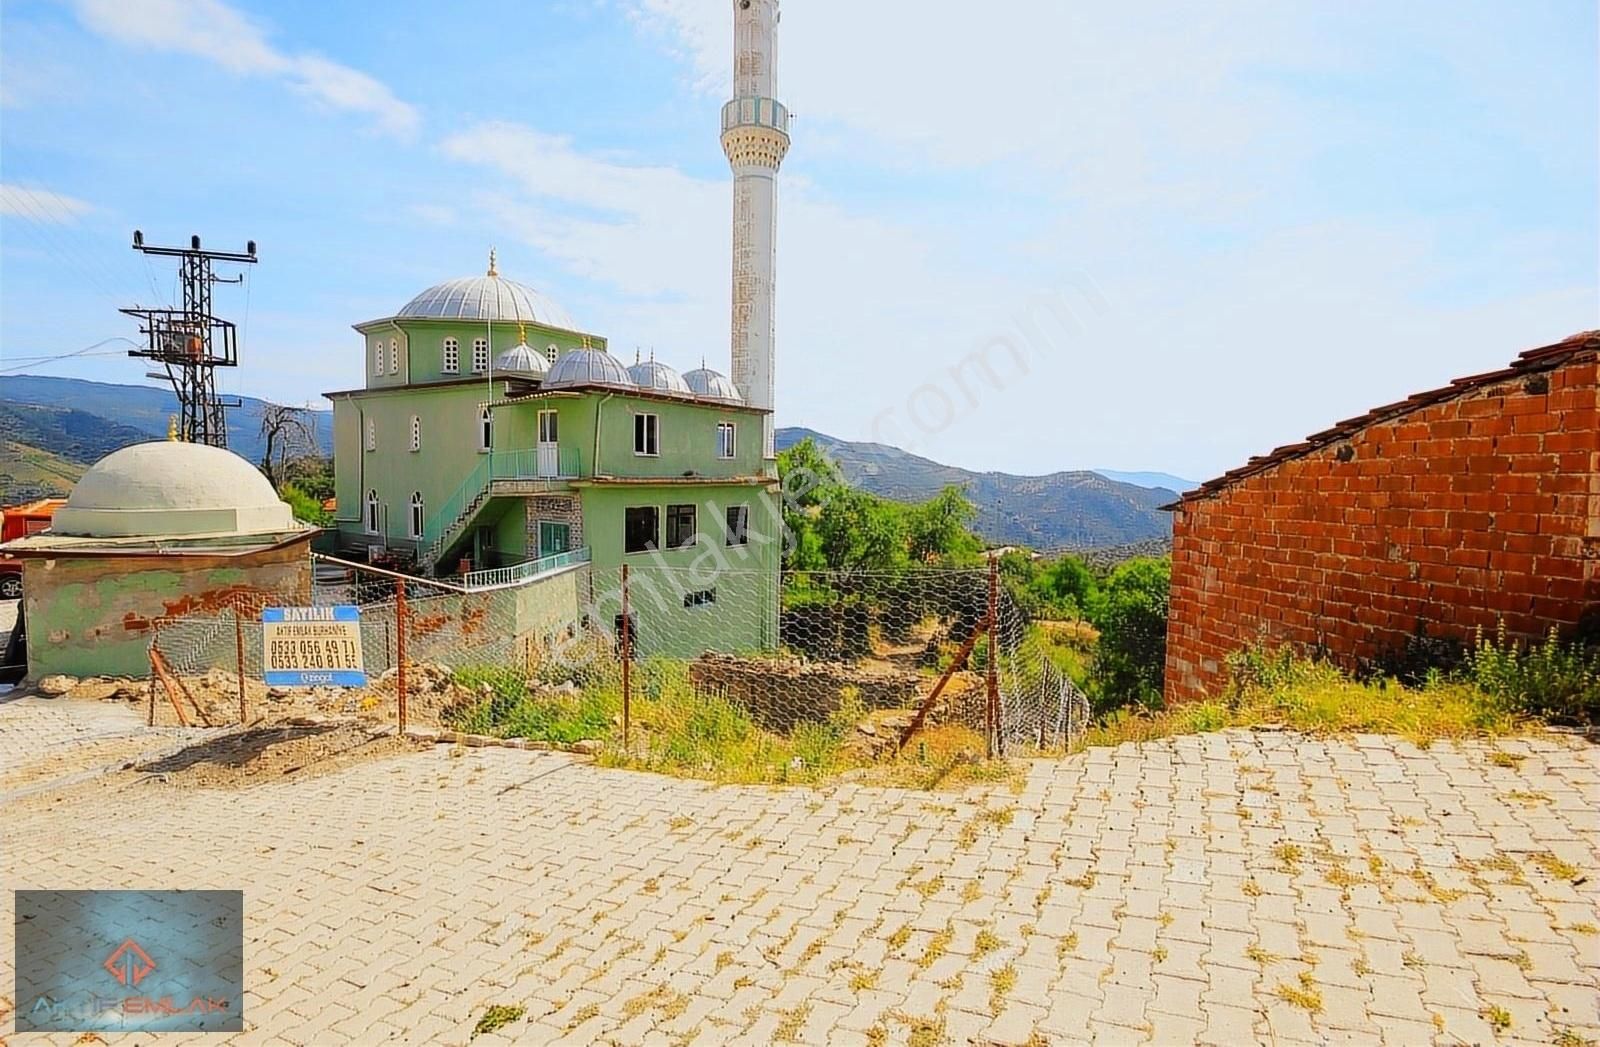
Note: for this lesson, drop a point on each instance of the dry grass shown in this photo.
(986, 942)
(1001, 982)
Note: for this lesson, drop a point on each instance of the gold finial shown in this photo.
(493, 269)
(522, 332)
(636, 354)
(172, 427)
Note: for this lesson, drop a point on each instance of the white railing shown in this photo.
(516, 574)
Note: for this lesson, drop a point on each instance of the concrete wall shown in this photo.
(92, 615)
(1458, 515)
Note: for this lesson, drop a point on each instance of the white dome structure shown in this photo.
(522, 361)
(487, 297)
(709, 385)
(659, 378)
(168, 488)
(578, 367)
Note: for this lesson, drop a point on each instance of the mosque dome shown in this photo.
(522, 361)
(487, 297)
(170, 488)
(706, 383)
(587, 367)
(659, 378)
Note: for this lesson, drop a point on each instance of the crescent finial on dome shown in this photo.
(494, 270)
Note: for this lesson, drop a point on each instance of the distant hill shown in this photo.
(1162, 480)
(142, 410)
(1077, 509)
(43, 450)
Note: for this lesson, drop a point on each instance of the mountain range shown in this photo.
(1075, 509)
(51, 429)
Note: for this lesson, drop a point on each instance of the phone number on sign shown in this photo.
(311, 654)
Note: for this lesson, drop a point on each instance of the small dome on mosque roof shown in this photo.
(522, 361)
(587, 366)
(658, 377)
(711, 385)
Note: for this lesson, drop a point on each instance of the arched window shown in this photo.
(416, 514)
(485, 429)
(480, 355)
(416, 433)
(452, 357)
(550, 352)
(372, 512)
(394, 356)
(372, 435)
(377, 356)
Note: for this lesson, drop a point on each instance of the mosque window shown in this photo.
(680, 526)
(372, 435)
(485, 430)
(641, 528)
(377, 356)
(416, 514)
(416, 433)
(725, 439)
(452, 357)
(551, 352)
(480, 355)
(646, 434)
(738, 525)
(372, 512)
(394, 356)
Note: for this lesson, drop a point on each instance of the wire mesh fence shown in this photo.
(734, 674)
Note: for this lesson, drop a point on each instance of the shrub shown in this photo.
(1556, 681)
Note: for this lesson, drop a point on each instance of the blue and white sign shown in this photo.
(312, 647)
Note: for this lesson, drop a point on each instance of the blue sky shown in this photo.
(1179, 235)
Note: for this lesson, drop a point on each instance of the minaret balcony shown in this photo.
(756, 112)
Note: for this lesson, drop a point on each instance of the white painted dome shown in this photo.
(487, 298)
(587, 367)
(659, 378)
(710, 385)
(522, 361)
(168, 487)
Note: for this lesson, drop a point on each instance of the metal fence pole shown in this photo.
(238, 646)
(993, 703)
(400, 649)
(627, 659)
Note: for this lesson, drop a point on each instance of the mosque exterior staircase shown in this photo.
(500, 474)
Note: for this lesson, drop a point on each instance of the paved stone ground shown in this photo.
(1225, 889)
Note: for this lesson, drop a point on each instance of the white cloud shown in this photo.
(216, 32)
(41, 205)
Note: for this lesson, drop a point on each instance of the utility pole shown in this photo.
(191, 343)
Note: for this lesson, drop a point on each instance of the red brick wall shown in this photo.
(1475, 509)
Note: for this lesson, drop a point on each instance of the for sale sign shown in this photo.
(312, 646)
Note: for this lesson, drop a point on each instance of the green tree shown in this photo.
(1068, 587)
(305, 507)
(859, 532)
(1131, 614)
(939, 529)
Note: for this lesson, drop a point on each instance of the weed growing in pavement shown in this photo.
(496, 1017)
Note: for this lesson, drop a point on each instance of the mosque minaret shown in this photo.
(755, 137)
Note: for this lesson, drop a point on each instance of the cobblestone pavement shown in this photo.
(56, 739)
(1223, 889)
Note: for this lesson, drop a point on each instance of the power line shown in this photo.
(87, 350)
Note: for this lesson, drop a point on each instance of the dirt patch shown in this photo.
(259, 755)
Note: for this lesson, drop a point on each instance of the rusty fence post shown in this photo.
(400, 649)
(627, 660)
(993, 689)
(238, 647)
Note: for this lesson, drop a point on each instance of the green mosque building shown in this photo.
(495, 441)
